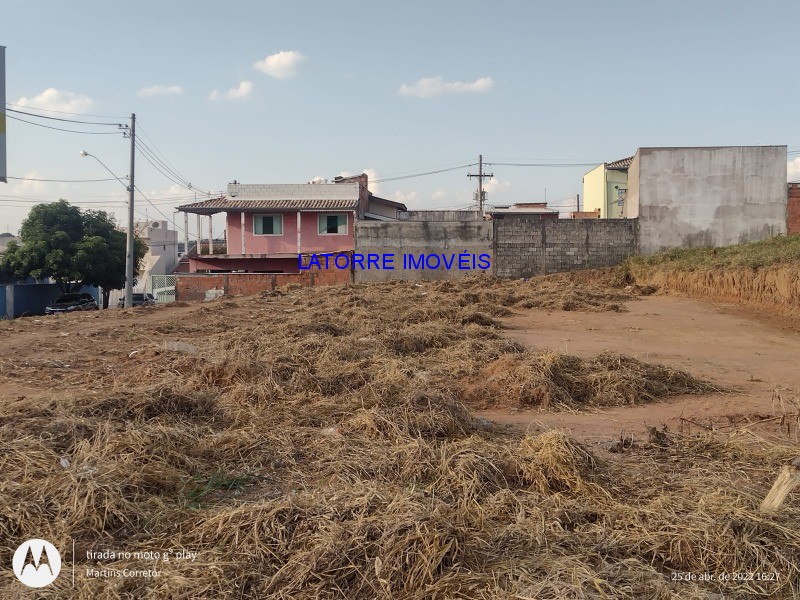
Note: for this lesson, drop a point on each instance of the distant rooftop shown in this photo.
(621, 164)
(280, 196)
(4, 240)
(293, 191)
(523, 208)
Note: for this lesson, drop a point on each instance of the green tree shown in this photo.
(72, 247)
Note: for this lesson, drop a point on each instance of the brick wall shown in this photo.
(193, 286)
(527, 247)
(793, 209)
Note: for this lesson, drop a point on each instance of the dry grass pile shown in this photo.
(550, 380)
(594, 291)
(324, 452)
(397, 501)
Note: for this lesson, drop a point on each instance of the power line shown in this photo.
(146, 154)
(22, 112)
(500, 164)
(423, 174)
(63, 112)
(161, 167)
(570, 160)
(166, 163)
(159, 210)
(109, 198)
(62, 180)
(432, 167)
(62, 129)
(110, 203)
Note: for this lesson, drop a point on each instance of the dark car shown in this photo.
(139, 300)
(71, 303)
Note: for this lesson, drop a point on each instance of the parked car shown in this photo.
(71, 303)
(139, 300)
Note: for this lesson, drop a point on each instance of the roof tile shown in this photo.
(227, 204)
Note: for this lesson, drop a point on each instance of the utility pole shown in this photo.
(129, 256)
(481, 176)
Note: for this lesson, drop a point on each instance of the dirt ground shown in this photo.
(754, 355)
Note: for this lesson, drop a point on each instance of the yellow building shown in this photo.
(604, 189)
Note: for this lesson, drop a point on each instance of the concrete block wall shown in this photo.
(441, 215)
(519, 247)
(793, 209)
(529, 247)
(420, 237)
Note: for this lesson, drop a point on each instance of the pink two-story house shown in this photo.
(268, 225)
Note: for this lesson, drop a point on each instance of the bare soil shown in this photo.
(754, 354)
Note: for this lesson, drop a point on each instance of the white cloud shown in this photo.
(435, 86)
(407, 198)
(58, 100)
(29, 187)
(494, 185)
(282, 65)
(793, 169)
(169, 192)
(241, 92)
(439, 195)
(372, 176)
(160, 90)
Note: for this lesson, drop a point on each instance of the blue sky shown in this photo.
(282, 92)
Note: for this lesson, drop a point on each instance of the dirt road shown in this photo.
(714, 341)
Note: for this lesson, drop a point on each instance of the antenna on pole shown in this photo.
(481, 176)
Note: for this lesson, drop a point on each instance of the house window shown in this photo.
(268, 224)
(333, 224)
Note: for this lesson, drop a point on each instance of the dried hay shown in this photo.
(552, 380)
(325, 453)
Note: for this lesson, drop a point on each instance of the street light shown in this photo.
(129, 239)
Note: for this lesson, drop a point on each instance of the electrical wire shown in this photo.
(145, 147)
(22, 112)
(110, 203)
(500, 164)
(63, 112)
(174, 224)
(165, 162)
(62, 129)
(162, 167)
(432, 167)
(159, 166)
(62, 180)
(570, 160)
(146, 155)
(385, 179)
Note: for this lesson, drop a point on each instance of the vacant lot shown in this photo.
(404, 441)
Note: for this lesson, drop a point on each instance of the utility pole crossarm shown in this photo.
(481, 176)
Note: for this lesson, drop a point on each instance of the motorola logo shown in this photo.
(36, 563)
